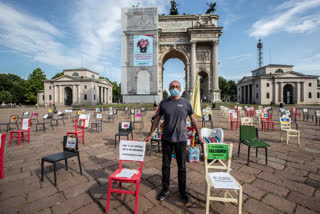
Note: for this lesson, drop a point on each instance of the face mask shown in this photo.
(174, 92)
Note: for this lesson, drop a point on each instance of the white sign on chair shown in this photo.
(25, 124)
(132, 150)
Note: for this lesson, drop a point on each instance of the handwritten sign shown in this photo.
(45, 116)
(125, 125)
(35, 114)
(71, 143)
(132, 150)
(99, 116)
(218, 151)
(305, 110)
(25, 124)
(50, 110)
(138, 115)
(206, 117)
(26, 113)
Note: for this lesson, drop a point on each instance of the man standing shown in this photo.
(174, 110)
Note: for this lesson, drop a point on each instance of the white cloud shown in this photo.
(94, 28)
(293, 16)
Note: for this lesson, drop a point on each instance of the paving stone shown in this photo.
(270, 187)
(159, 210)
(272, 164)
(255, 206)
(91, 208)
(77, 190)
(303, 210)
(245, 177)
(249, 170)
(41, 193)
(72, 204)
(305, 201)
(279, 203)
(253, 191)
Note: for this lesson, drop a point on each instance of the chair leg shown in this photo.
(42, 166)
(248, 155)
(115, 141)
(240, 201)
(256, 151)
(266, 156)
(109, 195)
(137, 197)
(239, 149)
(29, 136)
(10, 138)
(66, 163)
(19, 136)
(207, 200)
(79, 164)
(54, 173)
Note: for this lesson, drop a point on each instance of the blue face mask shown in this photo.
(174, 92)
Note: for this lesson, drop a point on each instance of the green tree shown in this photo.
(165, 94)
(116, 90)
(15, 85)
(58, 75)
(223, 85)
(5, 97)
(34, 84)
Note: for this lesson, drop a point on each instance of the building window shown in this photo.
(279, 71)
(42, 97)
(85, 97)
(75, 74)
(94, 97)
(94, 87)
(239, 89)
(92, 76)
(268, 84)
(50, 97)
(85, 87)
(310, 95)
(318, 95)
(310, 84)
(257, 85)
(257, 95)
(268, 95)
(50, 87)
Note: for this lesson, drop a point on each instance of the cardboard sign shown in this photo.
(50, 110)
(132, 111)
(25, 113)
(110, 113)
(68, 110)
(71, 143)
(35, 115)
(99, 116)
(79, 112)
(138, 115)
(246, 120)
(14, 118)
(25, 124)
(125, 125)
(218, 151)
(45, 116)
(131, 150)
(234, 115)
(84, 111)
(59, 113)
(206, 117)
(285, 120)
(97, 110)
(305, 110)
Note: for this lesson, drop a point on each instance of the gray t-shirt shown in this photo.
(174, 113)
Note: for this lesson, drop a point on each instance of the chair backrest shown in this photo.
(85, 117)
(115, 111)
(68, 110)
(138, 117)
(248, 133)
(218, 132)
(217, 153)
(14, 118)
(60, 113)
(80, 123)
(99, 116)
(25, 114)
(125, 126)
(317, 113)
(97, 109)
(2, 144)
(285, 123)
(246, 121)
(207, 117)
(131, 151)
(25, 124)
(70, 143)
(35, 115)
(293, 109)
(233, 116)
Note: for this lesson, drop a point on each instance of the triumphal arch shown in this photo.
(149, 40)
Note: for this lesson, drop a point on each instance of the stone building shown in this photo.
(76, 87)
(193, 39)
(274, 84)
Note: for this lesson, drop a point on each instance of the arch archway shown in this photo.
(204, 85)
(67, 96)
(288, 94)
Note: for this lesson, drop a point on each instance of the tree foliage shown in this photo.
(227, 87)
(33, 85)
(116, 90)
(165, 94)
(13, 87)
(58, 75)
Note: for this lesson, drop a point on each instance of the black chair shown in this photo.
(47, 119)
(12, 121)
(317, 117)
(70, 149)
(98, 122)
(138, 118)
(125, 128)
(206, 118)
(60, 116)
(307, 115)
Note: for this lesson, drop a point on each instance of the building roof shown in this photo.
(272, 65)
(80, 69)
(84, 79)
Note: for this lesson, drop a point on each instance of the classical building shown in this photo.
(76, 87)
(274, 84)
(193, 39)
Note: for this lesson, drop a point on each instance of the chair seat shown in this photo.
(19, 131)
(256, 143)
(41, 123)
(135, 177)
(59, 156)
(232, 183)
(123, 133)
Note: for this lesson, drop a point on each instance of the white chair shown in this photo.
(285, 126)
(221, 180)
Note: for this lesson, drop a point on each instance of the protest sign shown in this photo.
(218, 151)
(131, 150)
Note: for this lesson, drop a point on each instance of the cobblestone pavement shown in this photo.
(289, 184)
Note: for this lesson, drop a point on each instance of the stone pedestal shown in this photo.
(215, 96)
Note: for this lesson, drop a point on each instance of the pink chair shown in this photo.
(25, 128)
(2, 143)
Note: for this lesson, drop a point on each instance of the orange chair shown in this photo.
(234, 120)
(115, 177)
(2, 143)
(79, 124)
(25, 128)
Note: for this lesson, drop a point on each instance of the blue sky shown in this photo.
(60, 34)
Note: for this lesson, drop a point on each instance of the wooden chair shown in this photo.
(246, 121)
(2, 144)
(79, 124)
(266, 122)
(70, 149)
(219, 154)
(60, 116)
(12, 121)
(249, 137)
(118, 177)
(25, 128)
(285, 126)
(97, 123)
(234, 120)
(124, 129)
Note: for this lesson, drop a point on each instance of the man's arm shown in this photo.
(153, 127)
(196, 127)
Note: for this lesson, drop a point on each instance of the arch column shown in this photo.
(160, 78)
(215, 76)
(193, 66)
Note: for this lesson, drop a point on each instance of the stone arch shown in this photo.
(288, 93)
(169, 52)
(143, 82)
(204, 76)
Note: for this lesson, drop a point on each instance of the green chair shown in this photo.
(249, 137)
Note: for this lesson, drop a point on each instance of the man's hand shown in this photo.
(201, 139)
(147, 139)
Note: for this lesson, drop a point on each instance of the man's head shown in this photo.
(174, 88)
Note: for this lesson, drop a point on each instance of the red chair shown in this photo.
(25, 128)
(79, 124)
(2, 143)
(234, 120)
(266, 122)
(135, 178)
(295, 112)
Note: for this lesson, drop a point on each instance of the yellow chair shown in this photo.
(285, 126)
(218, 153)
